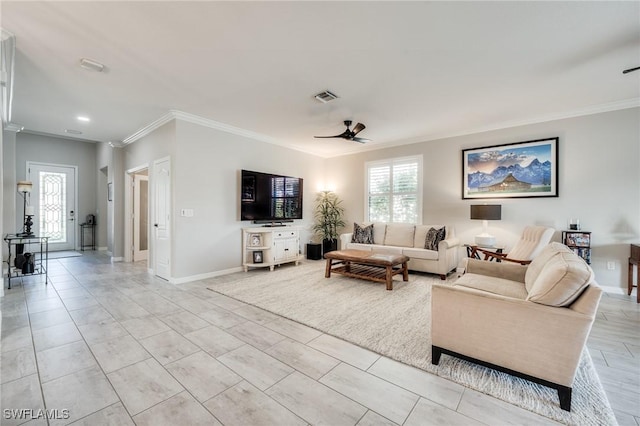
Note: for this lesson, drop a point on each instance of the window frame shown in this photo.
(391, 162)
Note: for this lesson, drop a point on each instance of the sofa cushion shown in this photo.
(561, 281)
(537, 264)
(400, 235)
(358, 246)
(433, 238)
(421, 234)
(493, 285)
(418, 253)
(379, 231)
(362, 234)
(384, 249)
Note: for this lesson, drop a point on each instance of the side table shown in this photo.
(473, 253)
(91, 228)
(634, 260)
(314, 251)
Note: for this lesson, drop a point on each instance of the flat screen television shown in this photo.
(267, 197)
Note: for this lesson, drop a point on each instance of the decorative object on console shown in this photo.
(329, 220)
(255, 240)
(579, 242)
(24, 188)
(516, 170)
(574, 224)
(257, 256)
(486, 212)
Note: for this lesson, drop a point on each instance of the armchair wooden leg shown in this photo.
(564, 394)
(435, 355)
(443, 277)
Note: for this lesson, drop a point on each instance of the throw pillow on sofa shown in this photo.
(362, 234)
(433, 238)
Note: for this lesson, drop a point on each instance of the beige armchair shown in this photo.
(530, 321)
(530, 244)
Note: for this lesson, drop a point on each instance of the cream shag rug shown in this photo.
(397, 324)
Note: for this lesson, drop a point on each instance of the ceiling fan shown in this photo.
(349, 134)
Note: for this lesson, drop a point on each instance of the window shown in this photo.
(394, 190)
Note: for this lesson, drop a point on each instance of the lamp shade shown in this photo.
(486, 212)
(24, 186)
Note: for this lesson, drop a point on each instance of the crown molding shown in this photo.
(13, 127)
(212, 124)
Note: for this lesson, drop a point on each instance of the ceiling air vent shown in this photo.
(325, 96)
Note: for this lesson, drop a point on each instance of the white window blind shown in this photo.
(394, 190)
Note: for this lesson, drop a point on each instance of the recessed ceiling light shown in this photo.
(73, 131)
(91, 65)
(82, 118)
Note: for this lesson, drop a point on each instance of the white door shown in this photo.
(140, 217)
(161, 180)
(53, 197)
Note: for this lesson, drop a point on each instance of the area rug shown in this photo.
(397, 324)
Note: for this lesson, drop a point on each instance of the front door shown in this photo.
(53, 197)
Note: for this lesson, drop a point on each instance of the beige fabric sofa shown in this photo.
(531, 321)
(394, 238)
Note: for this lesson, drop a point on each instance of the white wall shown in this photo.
(49, 149)
(599, 179)
(8, 186)
(206, 166)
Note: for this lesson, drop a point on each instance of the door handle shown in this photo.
(155, 224)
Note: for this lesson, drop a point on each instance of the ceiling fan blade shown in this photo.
(346, 134)
(359, 127)
(361, 140)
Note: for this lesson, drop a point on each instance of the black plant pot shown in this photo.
(329, 245)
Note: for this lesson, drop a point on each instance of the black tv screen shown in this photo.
(269, 197)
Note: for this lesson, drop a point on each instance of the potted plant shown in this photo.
(328, 219)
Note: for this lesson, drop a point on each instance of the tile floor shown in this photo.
(108, 344)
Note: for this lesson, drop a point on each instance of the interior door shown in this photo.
(53, 197)
(162, 218)
(140, 217)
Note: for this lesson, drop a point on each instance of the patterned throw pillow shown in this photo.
(434, 236)
(362, 235)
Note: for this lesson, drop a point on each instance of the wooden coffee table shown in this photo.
(367, 265)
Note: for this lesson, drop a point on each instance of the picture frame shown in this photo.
(257, 256)
(255, 240)
(110, 191)
(526, 169)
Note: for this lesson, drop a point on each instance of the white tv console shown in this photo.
(270, 246)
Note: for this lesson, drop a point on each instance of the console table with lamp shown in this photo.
(27, 262)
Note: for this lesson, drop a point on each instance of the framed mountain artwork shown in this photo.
(516, 170)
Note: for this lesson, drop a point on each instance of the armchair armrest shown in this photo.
(489, 255)
(508, 271)
(344, 239)
(448, 243)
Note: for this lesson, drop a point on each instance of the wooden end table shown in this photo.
(367, 265)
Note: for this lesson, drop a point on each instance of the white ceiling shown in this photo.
(411, 71)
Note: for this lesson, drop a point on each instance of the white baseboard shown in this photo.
(191, 278)
(117, 259)
(102, 248)
(613, 290)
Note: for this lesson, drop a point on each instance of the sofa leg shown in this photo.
(443, 277)
(435, 355)
(564, 393)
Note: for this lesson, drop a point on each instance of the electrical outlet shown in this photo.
(611, 265)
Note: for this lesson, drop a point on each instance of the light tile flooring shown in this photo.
(108, 344)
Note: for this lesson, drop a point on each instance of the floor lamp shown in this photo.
(24, 188)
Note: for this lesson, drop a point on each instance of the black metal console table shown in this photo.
(40, 254)
(91, 227)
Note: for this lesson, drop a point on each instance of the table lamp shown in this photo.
(485, 213)
(24, 188)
